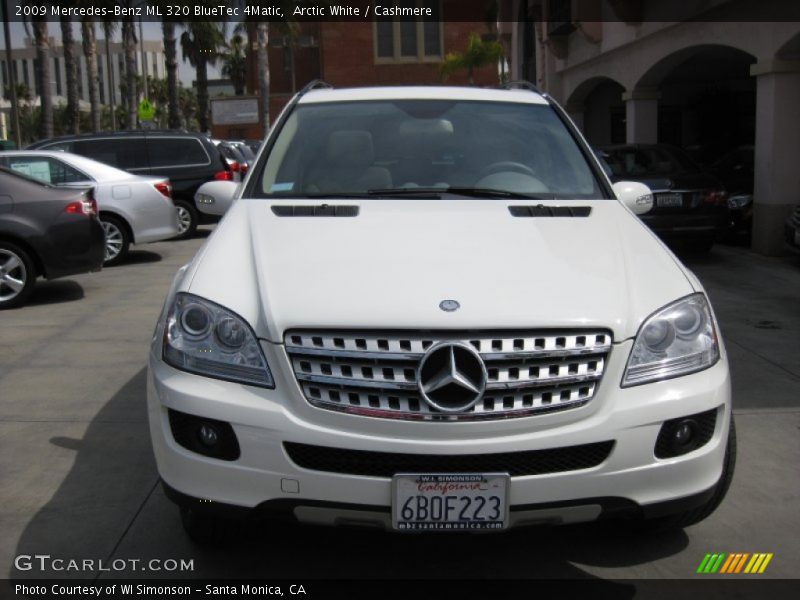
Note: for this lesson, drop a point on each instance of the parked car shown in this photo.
(429, 309)
(133, 209)
(236, 161)
(691, 205)
(187, 159)
(736, 171)
(792, 228)
(45, 232)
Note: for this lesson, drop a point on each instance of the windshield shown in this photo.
(388, 148)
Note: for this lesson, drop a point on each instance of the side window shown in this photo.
(45, 169)
(123, 153)
(176, 152)
(59, 147)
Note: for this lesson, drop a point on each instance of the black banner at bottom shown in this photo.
(408, 589)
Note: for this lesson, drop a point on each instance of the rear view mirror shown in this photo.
(636, 196)
(215, 197)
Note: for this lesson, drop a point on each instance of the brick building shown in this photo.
(364, 53)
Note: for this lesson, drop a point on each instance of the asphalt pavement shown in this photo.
(80, 482)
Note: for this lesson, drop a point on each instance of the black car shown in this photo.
(188, 159)
(44, 231)
(690, 205)
(736, 171)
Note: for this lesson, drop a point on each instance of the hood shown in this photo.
(390, 266)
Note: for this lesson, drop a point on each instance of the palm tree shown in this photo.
(171, 56)
(477, 54)
(108, 32)
(42, 41)
(72, 124)
(200, 44)
(235, 64)
(262, 37)
(90, 52)
(129, 48)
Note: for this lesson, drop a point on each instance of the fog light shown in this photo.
(684, 433)
(208, 435)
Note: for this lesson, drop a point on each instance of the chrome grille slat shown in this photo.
(375, 373)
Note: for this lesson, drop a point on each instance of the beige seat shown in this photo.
(349, 166)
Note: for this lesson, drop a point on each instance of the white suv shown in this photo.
(428, 309)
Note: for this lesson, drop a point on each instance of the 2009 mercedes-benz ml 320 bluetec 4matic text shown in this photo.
(428, 309)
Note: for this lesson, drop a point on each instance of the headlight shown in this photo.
(204, 338)
(677, 340)
(739, 201)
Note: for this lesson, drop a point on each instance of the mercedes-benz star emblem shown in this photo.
(449, 305)
(452, 377)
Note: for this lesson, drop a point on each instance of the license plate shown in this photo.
(450, 502)
(668, 200)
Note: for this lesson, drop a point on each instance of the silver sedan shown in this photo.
(133, 209)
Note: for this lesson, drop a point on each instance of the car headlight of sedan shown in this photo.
(677, 340)
(207, 339)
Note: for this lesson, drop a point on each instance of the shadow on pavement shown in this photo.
(110, 506)
(55, 292)
(137, 257)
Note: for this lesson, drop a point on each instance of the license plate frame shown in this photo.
(672, 200)
(406, 487)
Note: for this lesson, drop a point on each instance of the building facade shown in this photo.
(23, 62)
(715, 76)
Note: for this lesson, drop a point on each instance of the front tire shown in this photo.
(202, 529)
(118, 240)
(17, 275)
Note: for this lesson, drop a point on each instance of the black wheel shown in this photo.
(118, 240)
(203, 529)
(695, 515)
(187, 219)
(17, 275)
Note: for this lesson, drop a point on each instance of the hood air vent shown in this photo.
(323, 210)
(541, 210)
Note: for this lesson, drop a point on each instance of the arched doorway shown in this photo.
(597, 106)
(706, 99)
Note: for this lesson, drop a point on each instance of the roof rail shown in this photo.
(315, 85)
(525, 85)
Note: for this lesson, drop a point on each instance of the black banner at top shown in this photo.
(627, 11)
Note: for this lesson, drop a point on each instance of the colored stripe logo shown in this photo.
(735, 563)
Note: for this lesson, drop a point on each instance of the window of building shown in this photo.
(400, 39)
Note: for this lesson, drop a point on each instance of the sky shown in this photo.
(151, 30)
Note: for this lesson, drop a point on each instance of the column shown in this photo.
(777, 176)
(641, 115)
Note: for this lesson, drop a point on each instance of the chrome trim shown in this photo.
(376, 374)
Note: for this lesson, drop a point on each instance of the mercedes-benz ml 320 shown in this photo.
(427, 308)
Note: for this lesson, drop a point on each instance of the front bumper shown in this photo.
(631, 480)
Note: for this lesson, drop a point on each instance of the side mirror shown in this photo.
(215, 197)
(636, 196)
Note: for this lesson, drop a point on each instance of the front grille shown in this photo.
(376, 374)
(796, 217)
(388, 464)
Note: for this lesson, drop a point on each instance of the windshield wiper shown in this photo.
(470, 192)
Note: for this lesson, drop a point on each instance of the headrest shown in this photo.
(350, 148)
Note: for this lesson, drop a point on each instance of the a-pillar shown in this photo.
(575, 112)
(777, 171)
(641, 115)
